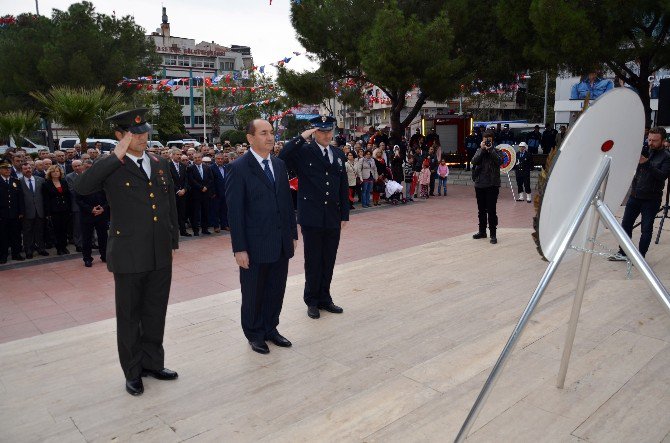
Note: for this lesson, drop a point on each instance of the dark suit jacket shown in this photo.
(88, 202)
(33, 201)
(56, 202)
(260, 214)
(11, 199)
(143, 229)
(196, 183)
(219, 186)
(323, 188)
(179, 178)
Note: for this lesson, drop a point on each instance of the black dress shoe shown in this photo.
(332, 307)
(479, 235)
(163, 374)
(280, 340)
(135, 386)
(494, 240)
(88, 264)
(43, 253)
(185, 234)
(313, 312)
(77, 248)
(18, 257)
(103, 259)
(260, 346)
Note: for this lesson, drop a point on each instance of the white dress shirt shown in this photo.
(330, 151)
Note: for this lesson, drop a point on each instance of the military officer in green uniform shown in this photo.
(143, 235)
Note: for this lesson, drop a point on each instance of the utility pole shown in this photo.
(37, 7)
(546, 95)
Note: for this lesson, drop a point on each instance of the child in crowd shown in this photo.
(424, 179)
(408, 171)
(442, 173)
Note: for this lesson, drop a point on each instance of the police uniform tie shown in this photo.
(268, 172)
(139, 163)
(325, 154)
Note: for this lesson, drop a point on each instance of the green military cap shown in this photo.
(132, 121)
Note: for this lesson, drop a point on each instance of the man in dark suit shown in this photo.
(33, 216)
(94, 214)
(264, 234)
(200, 183)
(143, 236)
(178, 172)
(64, 164)
(75, 226)
(11, 213)
(218, 211)
(323, 208)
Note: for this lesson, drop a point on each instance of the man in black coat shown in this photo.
(486, 175)
(200, 182)
(323, 207)
(143, 235)
(181, 188)
(11, 213)
(263, 233)
(94, 215)
(646, 191)
(218, 211)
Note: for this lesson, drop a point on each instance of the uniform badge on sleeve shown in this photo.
(339, 162)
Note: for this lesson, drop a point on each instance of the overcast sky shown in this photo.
(265, 28)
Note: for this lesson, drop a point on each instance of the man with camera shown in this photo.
(647, 190)
(486, 175)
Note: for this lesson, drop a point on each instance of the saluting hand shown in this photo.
(122, 147)
(308, 133)
(242, 259)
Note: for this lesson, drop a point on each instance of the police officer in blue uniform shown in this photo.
(323, 207)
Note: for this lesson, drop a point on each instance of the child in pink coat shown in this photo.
(424, 179)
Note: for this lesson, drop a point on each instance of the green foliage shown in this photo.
(83, 110)
(583, 35)
(166, 116)
(77, 48)
(306, 87)
(234, 136)
(17, 125)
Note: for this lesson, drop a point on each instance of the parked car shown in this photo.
(68, 142)
(155, 144)
(180, 143)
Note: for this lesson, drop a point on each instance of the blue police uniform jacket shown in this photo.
(323, 187)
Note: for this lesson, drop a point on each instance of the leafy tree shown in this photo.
(17, 125)
(165, 116)
(77, 48)
(83, 110)
(397, 45)
(234, 136)
(632, 39)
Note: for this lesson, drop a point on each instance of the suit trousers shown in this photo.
(141, 304)
(10, 236)
(523, 183)
(218, 213)
(33, 234)
(487, 199)
(181, 211)
(76, 229)
(88, 225)
(200, 213)
(320, 250)
(263, 286)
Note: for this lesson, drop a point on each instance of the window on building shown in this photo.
(226, 65)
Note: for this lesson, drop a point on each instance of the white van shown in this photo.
(180, 143)
(68, 142)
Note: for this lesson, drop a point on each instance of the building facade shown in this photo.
(186, 62)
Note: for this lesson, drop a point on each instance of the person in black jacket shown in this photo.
(180, 180)
(524, 164)
(486, 175)
(58, 206)
(11, 212)
(200, 182)
(647, 190)
(94, 214)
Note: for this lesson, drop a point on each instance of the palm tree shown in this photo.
(16, 125)
(83, 110)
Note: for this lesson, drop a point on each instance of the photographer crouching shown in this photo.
(486, 175)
